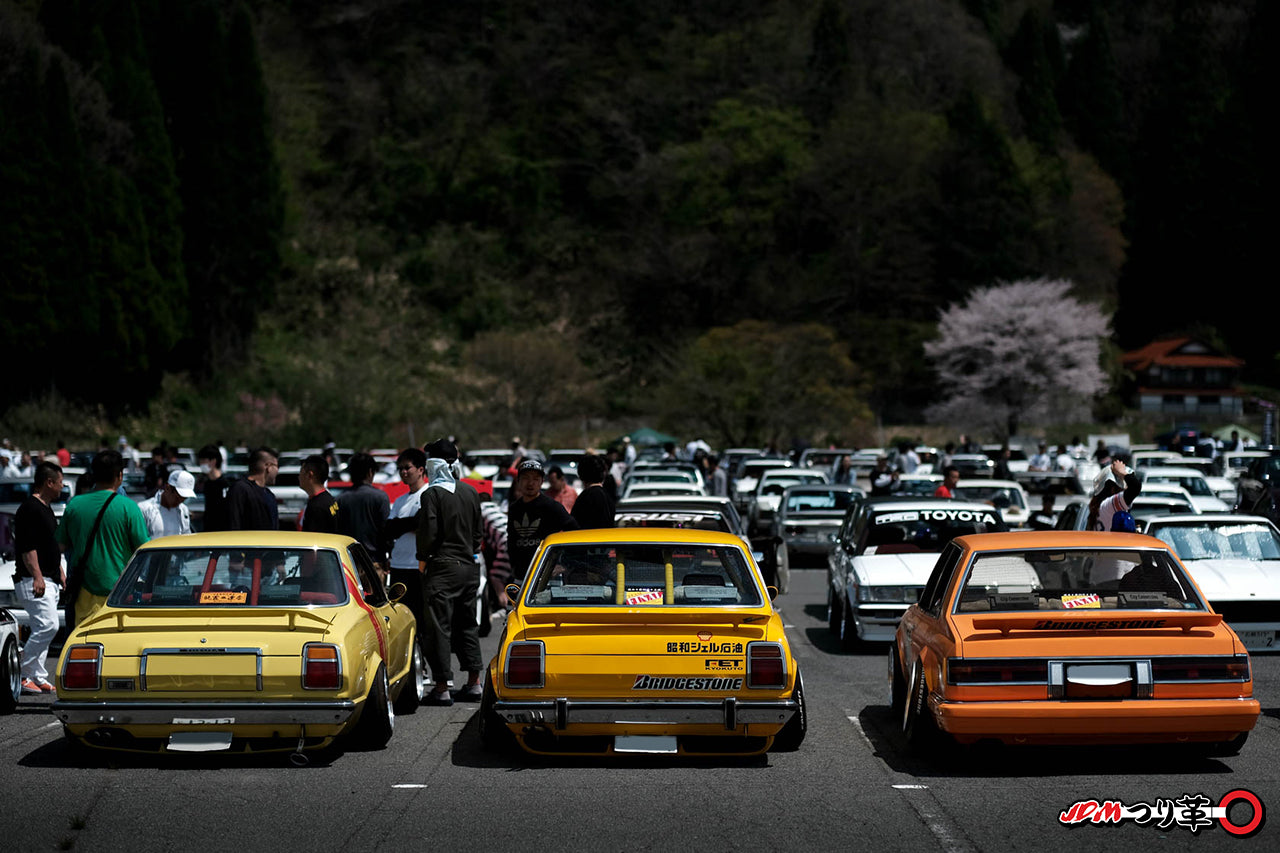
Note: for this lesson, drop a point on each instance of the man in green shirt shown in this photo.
(122, 530)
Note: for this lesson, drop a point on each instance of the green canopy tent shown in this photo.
(647, 437)
(1224, 433)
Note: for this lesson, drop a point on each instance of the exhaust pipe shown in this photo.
(298, 758)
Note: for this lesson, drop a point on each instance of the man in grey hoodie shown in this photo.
(449, 532)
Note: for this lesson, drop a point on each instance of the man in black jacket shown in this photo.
(363, 510)
(250, 504)
(593, 508)
(449, 531)
(531, 517)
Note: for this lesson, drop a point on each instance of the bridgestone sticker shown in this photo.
(1099, 625)
(654, 682)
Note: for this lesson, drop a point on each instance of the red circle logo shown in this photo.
(1259, 813)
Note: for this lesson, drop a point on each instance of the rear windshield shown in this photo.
(690, 520)
(235, 577)
(1001, 497)
(1078, 578)
(631, 575)
(1221, 542)
(832, 501)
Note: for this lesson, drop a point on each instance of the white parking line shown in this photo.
(408, 785)
(857, 724)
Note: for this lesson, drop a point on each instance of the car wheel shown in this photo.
(784, 568)
(415, 685)
(494, 734)
(10, 677)
(897, 683)
(833, 612)
(378, 717)
(792, 734)
(848, 630)
(917, 724)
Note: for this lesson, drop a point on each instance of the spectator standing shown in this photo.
(64, 455)
(948, 450)
(950, 479)
(843, 473)
(617, 470)
(448, 538)
(1001, 470)
(559, 490)
(156, 471)
(250, 503)
(883, 478)
(1046, 518)
(401, 532)
(532, 517)
(166, 512)
(594, 508)
(718, 480)
(102, 532)
(1040, 461)
(628, 452)
(908, 460)
(213, 485)
(1063, 461)
(9, 464)
(320, 515)
(363, 509)
(1101, 454)
(1114, 490)
(39, 577)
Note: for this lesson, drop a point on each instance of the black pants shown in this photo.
(449, 596)
(414, 599)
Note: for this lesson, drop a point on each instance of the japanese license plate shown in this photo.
(645, 743)
(199, 741)
(1257, 640)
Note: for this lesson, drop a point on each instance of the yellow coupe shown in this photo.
(643, 640)
(245, 642)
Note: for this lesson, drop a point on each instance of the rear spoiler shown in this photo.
(1096, 621)
(642, 616)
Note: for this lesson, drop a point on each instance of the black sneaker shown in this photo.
(471, 693)
(440, 700)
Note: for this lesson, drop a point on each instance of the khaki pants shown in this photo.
(87, 604)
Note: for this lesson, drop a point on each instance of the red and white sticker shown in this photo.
(704, 636)
(646, 596)
(1083, 600)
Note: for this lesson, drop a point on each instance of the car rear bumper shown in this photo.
(187, 714)
(1140, 719)
(730, 713)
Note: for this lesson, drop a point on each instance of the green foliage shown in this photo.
(758, 383)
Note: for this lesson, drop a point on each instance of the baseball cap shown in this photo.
(183, 483)
(442, 448)
(530, 465)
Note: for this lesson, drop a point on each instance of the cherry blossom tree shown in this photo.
(1022, 352)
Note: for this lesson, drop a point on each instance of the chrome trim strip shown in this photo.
(163, 713)
(194, 652)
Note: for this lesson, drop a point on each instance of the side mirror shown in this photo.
(773, 592)
(513, 593)
(397, 592)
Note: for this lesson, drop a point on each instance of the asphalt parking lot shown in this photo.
(851, 786)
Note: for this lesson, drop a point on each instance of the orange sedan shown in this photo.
(1069, 638)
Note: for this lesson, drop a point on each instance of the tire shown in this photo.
(917, 724)
(10, 677)
(897, 683)
(849, 641)
(494, 734)
(792, 734)
(834, 615)
(415, 683)
(378, 717)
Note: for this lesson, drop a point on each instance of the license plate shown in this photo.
(1257, 640)
(199, 741)
(645, 743)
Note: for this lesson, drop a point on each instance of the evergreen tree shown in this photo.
(1027, 57)
(1091, 99)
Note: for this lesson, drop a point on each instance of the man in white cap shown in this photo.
(166, 513)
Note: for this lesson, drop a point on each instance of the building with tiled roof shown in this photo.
(1185, 376)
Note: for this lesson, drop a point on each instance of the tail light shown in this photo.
(525, 664)
(83, 667)
(766, 666)
(997, 671)
(1234, 668)
(321, 667)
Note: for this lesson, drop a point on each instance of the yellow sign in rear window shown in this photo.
(644, 596)
(1071, 602)
(224, 597)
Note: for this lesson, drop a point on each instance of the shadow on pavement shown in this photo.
(60, 752)
(468, 751)
(946, 759)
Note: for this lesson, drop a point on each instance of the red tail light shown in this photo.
(321, 667)
(1234, 668)
(525, 664)
(997, 670)
(83, 668)
(766, 666)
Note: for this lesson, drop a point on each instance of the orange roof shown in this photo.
(1166, 352)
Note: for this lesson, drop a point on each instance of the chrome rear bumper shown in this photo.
(203, 713)
(729, 712)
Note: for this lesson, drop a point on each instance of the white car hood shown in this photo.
(894, 569)
(1236, 580)
(1208, 504)
(769, 503)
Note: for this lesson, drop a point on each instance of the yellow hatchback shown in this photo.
(246, 641)
(643, 640)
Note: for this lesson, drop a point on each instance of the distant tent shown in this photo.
(1224, 433)
(646, 437)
